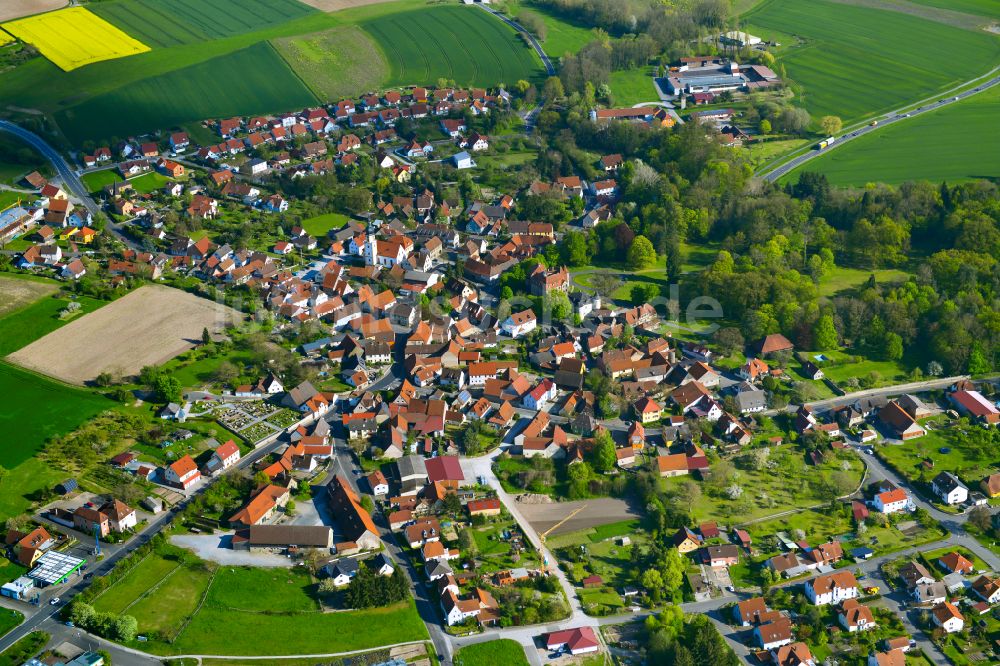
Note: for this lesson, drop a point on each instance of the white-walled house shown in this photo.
(519, 323)
(832, 588)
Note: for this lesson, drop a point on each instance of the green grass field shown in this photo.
(562, 36)
(163, 23)
(958, 142)
(37, 408)
(856, 62)
(469, 46)
(97, 180)
(214, 61)
(500, 652)
(986, 8)
(632, 86)
(238, 589)
(127, 591)
(336, 63)
(318, 226)
(253, 80)
(284, 620)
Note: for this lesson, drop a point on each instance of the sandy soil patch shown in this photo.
(12, 9)
(599, 511)
(15, 293)
(337, 5)
(147, 327)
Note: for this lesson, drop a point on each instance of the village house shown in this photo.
(832, 588)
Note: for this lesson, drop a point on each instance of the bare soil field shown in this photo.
(337, 5)
(12, 9)
(16, 293)
(147, 327)
(599, 511)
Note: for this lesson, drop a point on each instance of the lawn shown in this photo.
(336, 63)
(857, 62)
(238, 589)
(955, 143)
(499, 652)
(843, 365)
(24, 649)
(98, 180)
(9, 619)
(469, 46)
(561, 37)
(300, 633)
(284, 620)
(947, 449)
(149, 182)
(163, 23)
(845, 279)
(253, 80)
(125, 592)
(318, 226)
(632, 86)
(766, 493)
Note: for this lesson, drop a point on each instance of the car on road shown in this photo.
(69, 624)
(954, 99)
(54, 601)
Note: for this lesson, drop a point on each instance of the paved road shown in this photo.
(62, 167)
(549, 68)
(894, 390)
(44, 618)
(69, 177)
(883, 121)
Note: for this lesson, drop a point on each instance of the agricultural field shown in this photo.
(336, 63)
(599, 511)
(5, 38)
(17, 291)
(987, 8)
(163, 323)
(902, 57)
(253, 80)
(469, 46)
(12, 9)
(499, 652)
(165, 23)
(74, 37)
(956, 143)
(37, 408)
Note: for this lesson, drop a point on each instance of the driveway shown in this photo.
(217, 548)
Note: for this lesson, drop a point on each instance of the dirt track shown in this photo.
(601, 511)
(337, 5)
(12, 9)
(147, 327)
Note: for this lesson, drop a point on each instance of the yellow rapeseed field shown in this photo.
(74, 37)
(5, 38)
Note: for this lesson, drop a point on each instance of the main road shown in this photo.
(883, 121)
(66, 173)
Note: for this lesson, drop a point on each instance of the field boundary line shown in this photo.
(201, 604)
(124, 575)
(295, 74)
(154, 588)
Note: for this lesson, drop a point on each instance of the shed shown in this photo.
(67, 486)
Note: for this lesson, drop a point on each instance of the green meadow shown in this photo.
(857, 62)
